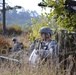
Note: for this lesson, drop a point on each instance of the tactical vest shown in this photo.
(44, 45)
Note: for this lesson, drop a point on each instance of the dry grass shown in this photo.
(21, 38)
(24, 68)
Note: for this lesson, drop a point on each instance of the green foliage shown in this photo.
(64, 18)
(36, 25)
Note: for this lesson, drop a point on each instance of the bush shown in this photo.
(12, 30)
(4, 45)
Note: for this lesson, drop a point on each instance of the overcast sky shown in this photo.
(27, 4)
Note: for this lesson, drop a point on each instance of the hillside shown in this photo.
(20, 17)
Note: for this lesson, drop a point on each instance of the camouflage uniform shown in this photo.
(44, 48)
(16, 46)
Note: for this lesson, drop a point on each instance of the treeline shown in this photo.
(21, 17)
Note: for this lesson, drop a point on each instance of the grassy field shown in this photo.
(25, 68)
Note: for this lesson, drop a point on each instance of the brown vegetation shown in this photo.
(4, 44)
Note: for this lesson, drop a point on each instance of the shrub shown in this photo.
(12, 30)
(4, 45)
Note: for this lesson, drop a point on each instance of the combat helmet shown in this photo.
(14, 39)
(45, 30)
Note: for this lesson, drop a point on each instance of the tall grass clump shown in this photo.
(4, 44)
(14, 30)
(25, 68)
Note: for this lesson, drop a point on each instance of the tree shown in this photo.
(21, 17)
(37, 23)
(65, 18)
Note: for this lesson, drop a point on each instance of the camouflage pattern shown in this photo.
(44, 50)
(16, 46)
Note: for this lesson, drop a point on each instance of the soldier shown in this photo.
(16, 46)
(46, 47)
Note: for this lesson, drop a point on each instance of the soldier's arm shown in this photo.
(54, 47)
(32, 46)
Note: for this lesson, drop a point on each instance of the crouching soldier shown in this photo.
(16, 45)
(46, 48)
